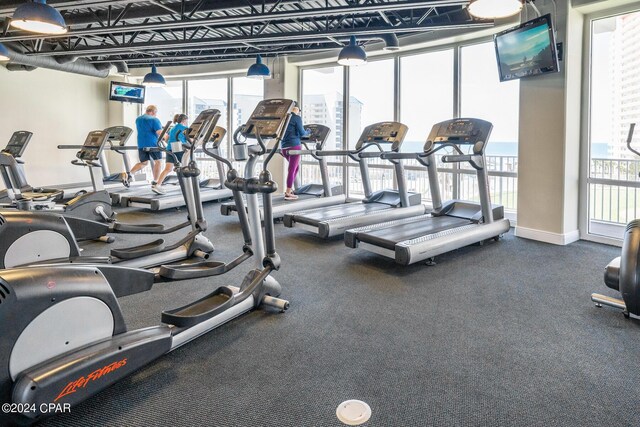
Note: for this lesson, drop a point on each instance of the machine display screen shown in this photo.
(127, 92)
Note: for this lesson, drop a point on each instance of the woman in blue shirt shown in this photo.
(175, 134)
(291, 141)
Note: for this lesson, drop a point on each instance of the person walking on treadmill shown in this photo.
(176, 134)
(149, 128)
(291, 141)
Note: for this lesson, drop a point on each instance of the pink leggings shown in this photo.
(294, 164)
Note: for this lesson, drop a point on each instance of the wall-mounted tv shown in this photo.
(527, 50)
(126, 92)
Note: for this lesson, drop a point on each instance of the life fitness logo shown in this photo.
(83, 381)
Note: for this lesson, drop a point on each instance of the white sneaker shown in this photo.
(158, 189)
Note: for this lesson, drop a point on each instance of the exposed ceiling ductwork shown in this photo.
(21, 62)
(182, 32)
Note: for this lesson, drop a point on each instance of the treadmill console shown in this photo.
(217, 136)
(383, 133)
(203, 124)
(93, 145)
(460, 131)
(119, 135)
(270, 116)
(318, 134)
(18, 143)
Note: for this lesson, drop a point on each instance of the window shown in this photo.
(322, 103)
(247, 93)
(371, 100)
(612, 178)
(371, 96)
(168, 99)
(203, 95)
(483, 96)
(426, 94)
(426, 98)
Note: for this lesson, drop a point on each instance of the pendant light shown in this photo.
(154, 78)
(38, 17)
(258, 70)
(494, 9)
(352, 54)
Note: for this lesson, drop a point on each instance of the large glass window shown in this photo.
(371, 100)
(615, 103)
(203, 95)
(168, 99)
(483, 96)
(322, 103)
(426, 98)
(371, 96)
(247, 93)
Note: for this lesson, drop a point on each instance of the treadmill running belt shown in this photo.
(388, 237)
(339, 211)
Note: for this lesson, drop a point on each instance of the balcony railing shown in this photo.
(614, 187)
(455, 182)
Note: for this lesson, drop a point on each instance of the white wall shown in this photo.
(59, 108)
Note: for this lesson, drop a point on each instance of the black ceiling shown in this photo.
(180, 32)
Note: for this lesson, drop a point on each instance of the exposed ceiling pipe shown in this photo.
(66, 59)
(19, 67)
(390, 41)
(78, 67)
(122, 68)
(249, 18)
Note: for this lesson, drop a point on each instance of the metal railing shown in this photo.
(455, 182)
(614, 187)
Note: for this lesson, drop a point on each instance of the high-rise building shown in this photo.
(328, 110)
(624, 65)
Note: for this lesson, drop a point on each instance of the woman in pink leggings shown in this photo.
(291, 141)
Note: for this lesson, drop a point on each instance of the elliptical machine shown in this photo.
(623, 272)
(78, 316)
(32, 237)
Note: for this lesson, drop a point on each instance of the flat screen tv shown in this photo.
(527, 50)
(126, 92)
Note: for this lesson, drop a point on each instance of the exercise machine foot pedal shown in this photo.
(192, 271)
(139, 251)
(138, 228)
(205, 308)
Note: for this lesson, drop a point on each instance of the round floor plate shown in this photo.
(353, 412)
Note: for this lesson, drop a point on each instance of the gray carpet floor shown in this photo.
(499, 335)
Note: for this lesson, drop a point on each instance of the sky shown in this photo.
(427, 91)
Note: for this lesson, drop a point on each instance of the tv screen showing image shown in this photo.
(126, 92)
(527, 50)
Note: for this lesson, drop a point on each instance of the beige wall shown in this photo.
(59, 108)
(549, 141)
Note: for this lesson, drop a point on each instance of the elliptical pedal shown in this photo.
(205, 308)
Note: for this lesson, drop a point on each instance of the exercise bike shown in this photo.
(623, 272)
(74, 310)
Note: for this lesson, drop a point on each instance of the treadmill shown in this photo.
(309, 195)
(211, 190)
(376, 206)
(450, 225)
(112, 182)
(15, 148)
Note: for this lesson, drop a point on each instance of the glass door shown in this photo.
(612, 179)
